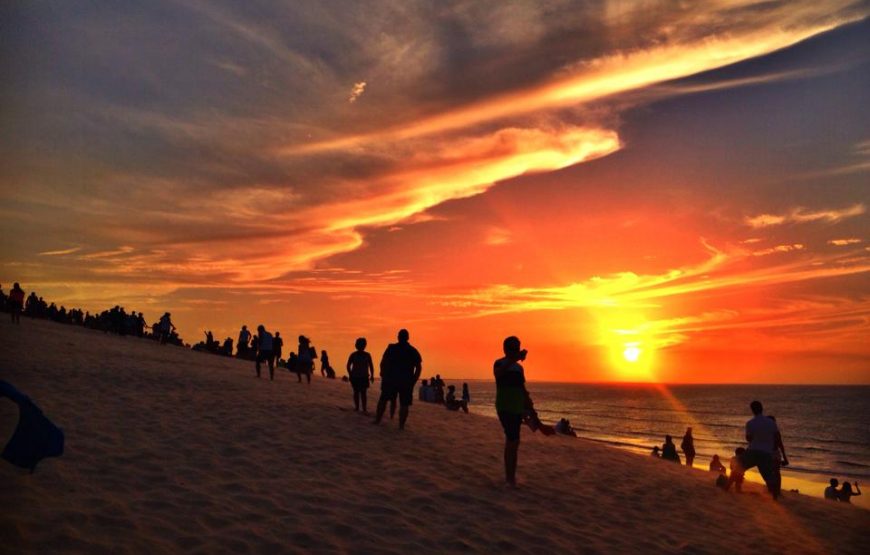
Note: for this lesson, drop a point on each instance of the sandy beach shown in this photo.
(169, 450)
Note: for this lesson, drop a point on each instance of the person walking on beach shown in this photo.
(669, 450)
(15, 302)
(831, 492)
(264, 351)
(688, 447)
(401, 366)
(360, 370)
(761, 434)
(846, 494)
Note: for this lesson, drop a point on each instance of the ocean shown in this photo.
(825, 429)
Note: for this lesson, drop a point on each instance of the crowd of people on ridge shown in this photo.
(115, 320)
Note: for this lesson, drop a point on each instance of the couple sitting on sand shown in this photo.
(844, 494)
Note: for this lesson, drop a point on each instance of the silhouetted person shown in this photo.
(264, 351)
(401, 366)
(513, 403)
(361, 371)
(831, 492)
(242, 343)
(846, 494)
(717, 466)
(563, 426)
(688, 447)
(325, 366)
(737, 470)
(761, 434)
(669, 450)
(166, 328)
(655, 452)
(15, 302)
(209, 341)
(466, 395)
(228, 347)
(305, 360)
(277, 347)
(452, 403)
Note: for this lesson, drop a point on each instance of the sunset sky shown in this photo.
(640, 190)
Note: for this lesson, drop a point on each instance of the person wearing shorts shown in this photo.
(401, 366)
(360, 370)
(511, 399)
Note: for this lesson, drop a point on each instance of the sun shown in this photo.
(631, 352)
(629, 344)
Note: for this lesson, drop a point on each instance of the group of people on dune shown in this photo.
(400, 368)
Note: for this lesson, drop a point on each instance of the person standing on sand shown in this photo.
(16, 303)
(688, 447)
(360, 369)
(512, 402)
(401, 366)
(304, 362)
(166, 327)
(761, 434)
(277, 347)
(242, 344)
(264, 351)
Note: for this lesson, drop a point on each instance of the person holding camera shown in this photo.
(514, 404)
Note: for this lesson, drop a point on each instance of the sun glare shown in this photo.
(626, 337)
(631, 352)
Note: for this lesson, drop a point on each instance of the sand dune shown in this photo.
(169, 450)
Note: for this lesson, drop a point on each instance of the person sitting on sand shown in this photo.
(717, 466)
(688, 447)
(669, 450)
(655, 452)
(452, 403)
(563, 426)
(360, 370)
(512, 403)
(846, 494)
(401, 366)
(761, 433)
(737, 470)
(325, 367)
(831, 492)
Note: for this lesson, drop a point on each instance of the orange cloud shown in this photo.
(801, 215)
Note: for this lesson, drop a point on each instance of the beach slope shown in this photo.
(169, 450)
